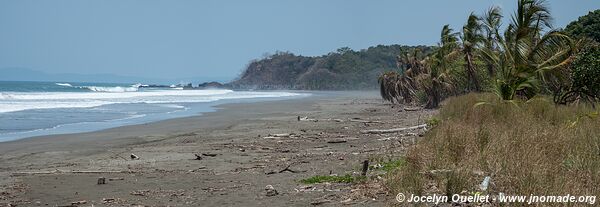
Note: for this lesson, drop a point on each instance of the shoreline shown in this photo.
(193, 109)
(243, 159)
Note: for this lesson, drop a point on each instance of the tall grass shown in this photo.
(527, 148)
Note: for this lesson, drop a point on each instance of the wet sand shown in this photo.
(243, 155)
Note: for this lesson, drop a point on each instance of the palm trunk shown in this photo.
(434, 97)
(471, 71)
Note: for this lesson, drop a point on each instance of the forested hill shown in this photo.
(344, 69)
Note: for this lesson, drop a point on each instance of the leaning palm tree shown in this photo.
(527, 55)
(387, 86)
(471, 38)
(436, 81)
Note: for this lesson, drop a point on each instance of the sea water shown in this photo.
(43, 108)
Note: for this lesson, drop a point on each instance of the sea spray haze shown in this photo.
(32, 108)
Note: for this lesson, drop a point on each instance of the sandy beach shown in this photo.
(242, 147)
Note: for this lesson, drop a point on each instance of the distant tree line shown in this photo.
(344, 69)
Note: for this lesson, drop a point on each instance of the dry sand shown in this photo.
(244, 161)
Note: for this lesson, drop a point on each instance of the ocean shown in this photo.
(43, 108)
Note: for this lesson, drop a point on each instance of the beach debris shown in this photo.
(324, 199)
(364, 121)
(108, 200)
(101, 180)
(319, 202)
(277, 136)
(413, 109)
(395, 130)
(134, 157)
(271, 190)
(365, 167)
(139, 192)
(286, 169)
(73, 172)
(281, 135)
(78, 202)
(335, 141)
(113, 179)
(209, 154)
(485, 183)
(198, 157)
(306, 119)
(346, 201)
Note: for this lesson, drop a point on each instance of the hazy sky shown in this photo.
(176, 39)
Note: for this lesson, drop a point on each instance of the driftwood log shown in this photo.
(364, 121)
(306, 119)
(413, 109)
(70, 172)
(385, 131)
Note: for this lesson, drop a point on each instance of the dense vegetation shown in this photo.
(531, 148)
(508, 131)
(586, 26)
(527, 59)
(344, 69)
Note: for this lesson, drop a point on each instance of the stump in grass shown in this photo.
(365, 167)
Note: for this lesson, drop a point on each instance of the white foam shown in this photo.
(64, 84)
(19, 101)
(117, 89)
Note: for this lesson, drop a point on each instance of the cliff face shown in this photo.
(341, 70)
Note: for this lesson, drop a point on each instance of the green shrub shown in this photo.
(586, 71)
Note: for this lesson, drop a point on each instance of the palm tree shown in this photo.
(526, 55)
(436, 81)
(471, 38)
(491, 22)
(387, 86)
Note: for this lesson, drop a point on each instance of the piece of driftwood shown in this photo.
(281, 135)
(385, 131)
(336, 141)
(365, 121)
(306, 119)
(286, 169)
(69, 172)
(413, 109)
(209, 154)
(108, 200)
(278, 136)
(113, 179)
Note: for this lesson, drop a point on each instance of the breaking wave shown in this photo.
(64, 84)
